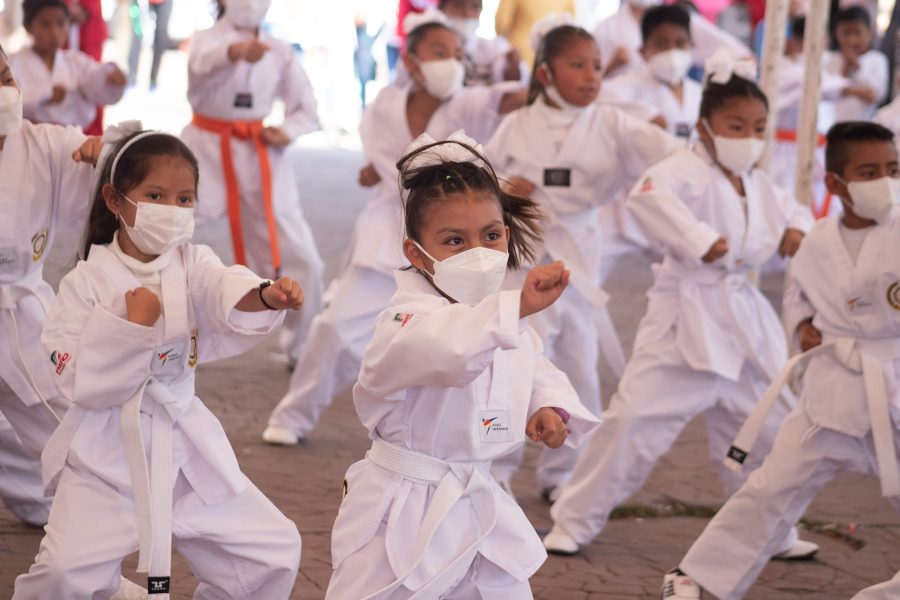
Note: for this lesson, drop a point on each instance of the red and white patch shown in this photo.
(646, 186)
(59, 360)
(403, 318)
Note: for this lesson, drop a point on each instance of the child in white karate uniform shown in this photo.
(138, 459)
(710, 341)
(487, 60)
(435, 102)
(453, 378)
(842, 309)
(660, 91)
(572, 156)
(61, 85)
(619, 38)
(236, 72)
(866, 68)
(42, 189)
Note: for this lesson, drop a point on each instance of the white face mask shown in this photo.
(670, 66)
(553, 94)
(464, 27)
(738, 155)
(10, 109)
(247, 14)
(471, 276)
(874, 199)
(159, 227)
(645, 3)
(443, 78)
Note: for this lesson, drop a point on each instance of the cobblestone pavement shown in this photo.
(626, 562)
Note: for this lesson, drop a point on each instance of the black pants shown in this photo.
(161, 11)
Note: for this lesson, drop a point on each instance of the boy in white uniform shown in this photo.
(619, 38)
(61, 85)
(866, 68)
(842, 307)
(236, 71)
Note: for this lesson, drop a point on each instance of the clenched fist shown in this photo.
(142, 307)
(283, 294)
(546, 426)
(543, 286)
(716, 251)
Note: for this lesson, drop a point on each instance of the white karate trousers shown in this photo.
(242, 547)
(730, 553)
(657, 397)
(332, 355)
(369, 569)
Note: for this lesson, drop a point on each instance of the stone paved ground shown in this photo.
(626, 562)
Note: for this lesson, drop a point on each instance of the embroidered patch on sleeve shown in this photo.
(403, 318)
(59, 360)
(646, 186)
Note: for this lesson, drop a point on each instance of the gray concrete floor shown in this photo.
(626, 562)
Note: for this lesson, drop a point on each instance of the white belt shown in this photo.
(454, 482)
(152, 488)
(726, 281)
(10, 294)
(866, 356)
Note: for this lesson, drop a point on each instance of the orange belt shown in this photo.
(244, 130)
(789, 135)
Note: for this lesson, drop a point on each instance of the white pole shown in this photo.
(770, 66)
(814, 43)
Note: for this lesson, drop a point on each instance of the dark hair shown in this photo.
(133, 166)
(843, 135)
(716, 95)
(856, 14)
(31, 8)
(434, 183)
(552, 45)
(417, 35)
(666, 14)
(798, 28)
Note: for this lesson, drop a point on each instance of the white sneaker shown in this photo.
(280, 436)
(129, 590)
(678, 586)
(802, 550)
(561, 543)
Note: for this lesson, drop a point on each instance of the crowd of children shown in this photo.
(469, 314)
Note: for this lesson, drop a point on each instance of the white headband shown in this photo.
(445, 151)
(547, 24)
(722, 65)
(414, 20)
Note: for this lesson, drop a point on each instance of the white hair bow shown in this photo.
(547, 24)
(111, 136)
(448, 150)
(722, 65)
(414, 20)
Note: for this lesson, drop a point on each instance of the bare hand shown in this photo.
(58, 95)
(716, 251)
(660, 121)
(517, 186)
(368, 176)
(808, 335)
(275, 136)
(116, 77)
(251, 51)
(548, 427)
(284, 294)
(89, 152)
(619, 59)
(790, 243)
(512, 66)
(543, 286)
(142, 306)
(864, 93)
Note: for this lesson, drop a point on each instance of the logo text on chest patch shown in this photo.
(494, 426)
(557, 177)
